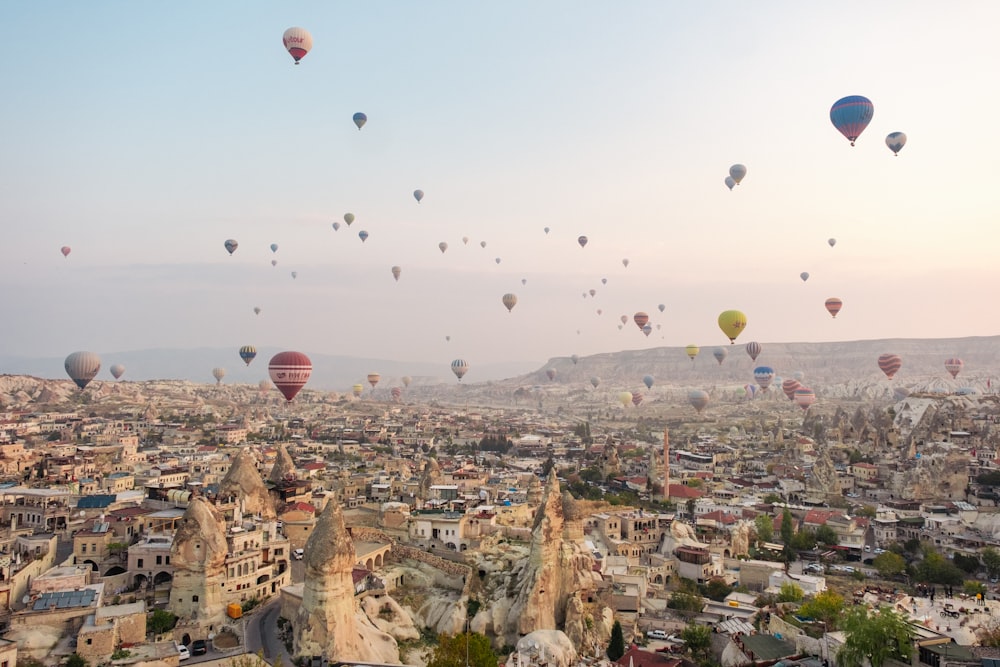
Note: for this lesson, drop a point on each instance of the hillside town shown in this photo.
(179, 523)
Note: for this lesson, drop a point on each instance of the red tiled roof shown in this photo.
(637, 657)
(314, 466)
(301, 507)
(682, 491)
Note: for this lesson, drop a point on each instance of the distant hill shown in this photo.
(334, 372)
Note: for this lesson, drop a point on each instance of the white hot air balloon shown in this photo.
(298, 41)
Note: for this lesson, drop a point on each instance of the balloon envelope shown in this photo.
(348, 218)
(550, 373)
(298, 42)
(396, 271)
(625, 398)
(640, 319)
(363, 235)
(692, 351)
(647, 329)
(698, 399)
(804, 275)
(851, 115)
(575, 359)
(218, 373)
(65, 250)
(582, 240)
(720, 354)
(953, 366)
(231, 245)
(804, 397)
(360, 119)
(595, 381)
(730, 183)
(289, 372)
(890, 364)
(459, 367)
(274, 247)
(737, 172)
(117, 371)
(336, 226)
(895, 141)
(407, 380)
(82, 367)
(833, 306)
(509, 300)
(789, 386)
(732, 323)
(357, 390)
(546, 230)
(648, 381)
(256, 310)
(625, 262)
(248, 353)
(373, 379)
(662, 307)
(832, 242)
(753, 349)
(442, 246)
(418, 195)
(763, 375)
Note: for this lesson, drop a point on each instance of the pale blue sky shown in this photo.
(144, 135)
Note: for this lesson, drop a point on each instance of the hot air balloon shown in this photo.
(509, 301)
(395, 272)
(720, 354)
(851, 115)
(256, 310)
(895, 141)
(497, 260)
(592, 292)
(737, 172)
(890, 364)
(640, 319)
(804, 397)
(117, 370)
(407, 380)
(624, 319)
(582, 241)
(218, 373)
(418, 195)
(396, 392)
(730, 183)
(295, 274)
(750, 389)
(357, 390)
(248, 353)
(274, 247)
(832, 242)
(231, 245)
(636, 398)
(360, 119)
(595, 381)
(459, 367)
(604, 281)
(447, 338)
(799, 375)
(289, 372)
(647, 329)
(373, 379)
(465, 240)
(753, 349)
(648, 381)
(298, 41)
(763, 376)
(550, 373)
(625, 398)
(732, 323)
(662, 307)
(833, 306)
(65, 250)
(546, 230)
(348, 218)
(336, 226)
(953, 366)
(789, 386)
(524, 281)
(625, 262)
(482, 244)
(575, 358)
(442, 246)
(600, 312)
(274, 262)
(363, 235)
(804, 275)
(264, 385)
(698, 399)
(82, 367)
(692, 351)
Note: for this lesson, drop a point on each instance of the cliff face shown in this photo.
(552, 588)
(330, 622)
(242, 481)
(198, 555)
(824, 476)
(934, 477)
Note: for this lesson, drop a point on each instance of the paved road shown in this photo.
(262, 634)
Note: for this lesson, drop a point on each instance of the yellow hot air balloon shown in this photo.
(625, 398)
(732, 323)
(692, 351)
(357, 390)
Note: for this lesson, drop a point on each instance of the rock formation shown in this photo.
(544, 647)
(330, 622)
(933, 477)
(609, 461)
(535, 491)
(824, 480)
(740, 542)
(198, 555)
(430, 476)
(243, 482)
(284, 466)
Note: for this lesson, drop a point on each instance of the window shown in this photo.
(168, 560)
(194, 598)
(159, 560)
(138, 563)
(83, 548)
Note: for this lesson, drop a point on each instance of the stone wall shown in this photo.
(400, 552)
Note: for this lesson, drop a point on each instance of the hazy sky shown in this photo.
(143, 135)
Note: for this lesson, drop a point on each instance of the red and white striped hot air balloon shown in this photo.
(289, 372)
(953, 366)
(890, 364)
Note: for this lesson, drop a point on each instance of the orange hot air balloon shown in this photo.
(289, 372)
(890, 364)
(833, 305)
(373, 379)
(640, 319)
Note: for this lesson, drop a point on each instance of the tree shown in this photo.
(889, 564)
(787, 530)
(826, 608)
(765, 527)
(967, 564)
(826, 535)
(616, 648)
(790, 592)
(803, 540)
(698, 639)
(771, 499)
(76, 660)
(161, 621)
(452, 650)
(717, 589)
(875, 636)
(936, 569)
(991, 559)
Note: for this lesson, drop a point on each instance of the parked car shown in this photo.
(813, 567)
(298, 554)
(657, 634)
(182, 651)
(199, 647)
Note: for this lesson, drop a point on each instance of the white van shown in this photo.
(182, 651)
(298, 554)
(657, 634)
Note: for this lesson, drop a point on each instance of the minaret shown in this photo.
(666, 463)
